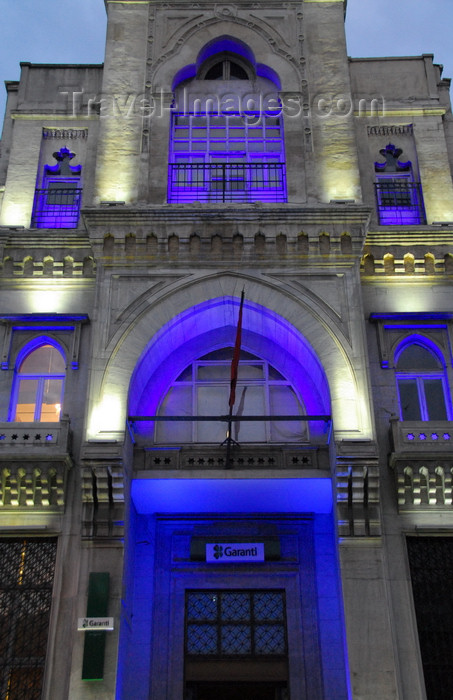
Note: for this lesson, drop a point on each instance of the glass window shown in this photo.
(235, 623)
(203, 389)
(422, 387)
(223, 147)
(39, 386)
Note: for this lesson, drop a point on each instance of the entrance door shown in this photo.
(236, 691)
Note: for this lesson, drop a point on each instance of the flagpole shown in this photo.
(233, 381)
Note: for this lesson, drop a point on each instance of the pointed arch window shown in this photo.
(39, 384)
(225, 145)
(422, 386)
(203, 389)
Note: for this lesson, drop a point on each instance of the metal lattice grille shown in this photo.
(431, 566)
(235, 623)
(26, 578)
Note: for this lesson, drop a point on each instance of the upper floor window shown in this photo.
(57, 202)
(422, 386)
(227, 145)
(39, 384)
(203, 389)
(228, 67)
(399, 198)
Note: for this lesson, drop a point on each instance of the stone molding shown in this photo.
(64, 134)
(358, 499)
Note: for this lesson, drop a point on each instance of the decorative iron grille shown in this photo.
(227, 182)
(399, 203)
(26, 578)
(57, 207)
(235, 623)
(431, 566)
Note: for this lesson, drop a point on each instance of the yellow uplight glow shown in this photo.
(107, 416)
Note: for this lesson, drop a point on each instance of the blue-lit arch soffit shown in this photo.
(191, 334)
(211, 325)
(221, 45)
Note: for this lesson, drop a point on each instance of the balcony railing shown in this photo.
(57, 207)
(226, 182)
(399, 203)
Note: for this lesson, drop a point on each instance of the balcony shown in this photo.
(35, 460)
(423, 464)
(57, 207)
(399, 203)
(239, 183)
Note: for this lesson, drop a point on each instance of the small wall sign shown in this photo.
(234, 552)
(88, 624)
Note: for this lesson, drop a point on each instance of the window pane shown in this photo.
(409, 401)
(417, 357)
(250, 401)
(212, 400)
(235, 607)
(51, 400)
(43, 360)
(26, 401)
(178, 402)
(435, 400)
(283, 401)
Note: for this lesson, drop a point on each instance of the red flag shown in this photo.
(236, 354)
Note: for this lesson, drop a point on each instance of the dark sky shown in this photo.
(73, 31)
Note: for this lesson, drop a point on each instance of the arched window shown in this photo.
(227, 144)
(203, 389)
(422, 386)
(39, 384)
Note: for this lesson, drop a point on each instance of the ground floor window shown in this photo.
(27, 569)
(431, 567)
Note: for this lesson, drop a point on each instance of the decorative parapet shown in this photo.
(27, 486)
(417, 438)
(34, 439)
(35, 460)
(357, 490)
(205, 458)
(427, 486)
(422, 460)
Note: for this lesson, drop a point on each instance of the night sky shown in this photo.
(73, 31)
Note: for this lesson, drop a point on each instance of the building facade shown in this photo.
(225, 389)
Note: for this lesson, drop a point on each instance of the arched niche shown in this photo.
(213, 36)
(160, 335)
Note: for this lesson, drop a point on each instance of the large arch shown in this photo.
(162, 330)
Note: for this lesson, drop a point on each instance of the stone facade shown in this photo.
(131, 220)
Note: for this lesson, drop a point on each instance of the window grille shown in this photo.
(399, 202)
(57, 206)
(27, 569)
(431, 567)
(235, 624)
(226, 157)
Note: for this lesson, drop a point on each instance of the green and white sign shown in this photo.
(234, 552)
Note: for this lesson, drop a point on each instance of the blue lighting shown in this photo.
(212, 325)
(232, 495)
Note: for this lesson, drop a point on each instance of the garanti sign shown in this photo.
(234, 552)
